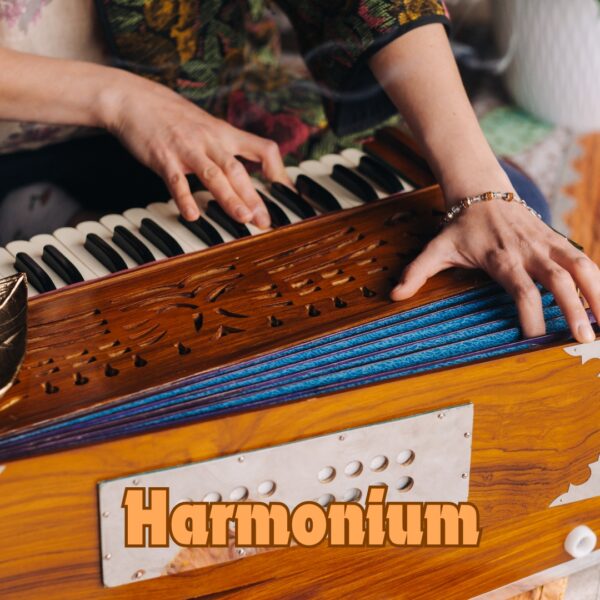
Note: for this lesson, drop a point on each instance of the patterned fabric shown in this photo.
(225, 56)
(58, 28)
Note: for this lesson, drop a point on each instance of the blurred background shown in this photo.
(532, 71)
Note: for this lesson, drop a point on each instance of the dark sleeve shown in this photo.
(337, 38)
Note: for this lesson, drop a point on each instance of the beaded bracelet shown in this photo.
(486, 197)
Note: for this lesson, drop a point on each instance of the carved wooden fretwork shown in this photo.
(99, 342)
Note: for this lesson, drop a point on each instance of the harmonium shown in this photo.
(178, 371)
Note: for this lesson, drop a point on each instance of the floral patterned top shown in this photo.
(225, 55)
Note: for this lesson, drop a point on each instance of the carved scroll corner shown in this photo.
(585, 352)
(584, 491)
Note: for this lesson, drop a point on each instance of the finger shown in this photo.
(431, 261)
(558, 280)
(218, 185)
(242, 185)
(585, 272)
(179, 189)
(515, 280)
(267, 153)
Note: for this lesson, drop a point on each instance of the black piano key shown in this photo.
(36, 276)
(132, 246)
(278, 217)
(237, 230)
(354, 183)
(203, 230)
(381, 174)
(162, 239)
(61, 265)
(316, 193)
(290, 199)
(103, 253)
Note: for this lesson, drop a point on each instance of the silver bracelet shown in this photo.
(486, 197)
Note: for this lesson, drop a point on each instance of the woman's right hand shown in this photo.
(174, 138)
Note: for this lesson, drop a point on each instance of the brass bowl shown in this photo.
(13, 328)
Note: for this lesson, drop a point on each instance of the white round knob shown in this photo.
(580, 542)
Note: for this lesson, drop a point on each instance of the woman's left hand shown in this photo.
(516, 249)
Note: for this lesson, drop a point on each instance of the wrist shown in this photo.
(486, 198)
(112, 92)
(465, 165)
(477, 180)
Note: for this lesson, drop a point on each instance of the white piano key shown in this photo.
(259, 185)
(7, 261)
(224, 235)
(35, 251)
(45, 239)
(354, 155)
(7, 268)
(254, 230)
(167, 216)
(202, 198)
(102, 232)
(111, 221)
(293, 173)
(74, 240)
(321, 173)
(337, 159)
(136, 215)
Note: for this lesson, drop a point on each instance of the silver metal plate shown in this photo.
(422, 458)
(584, 491)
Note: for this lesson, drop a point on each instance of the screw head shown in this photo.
(105, 514)
(467, 435)
(441, 415)
(136, 482)
(107, 556)
(241, 552)
(139, 574)
(342, 437)
(241, 459)
(465, 475)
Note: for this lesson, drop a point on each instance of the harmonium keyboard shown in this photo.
(226, 364)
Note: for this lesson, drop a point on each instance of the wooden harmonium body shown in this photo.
(275, 368)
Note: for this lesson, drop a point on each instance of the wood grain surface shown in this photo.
(401, 151)
(583, 222)
(95, 344)
(536, 431)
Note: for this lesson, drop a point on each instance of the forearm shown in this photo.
(48, 90)
(420, 76)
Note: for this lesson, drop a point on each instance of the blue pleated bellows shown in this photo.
(472, 326)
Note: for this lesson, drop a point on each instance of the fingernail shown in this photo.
(585, 333)
(191, 215)
(261, 219)
(243, 214)
(397, 293)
